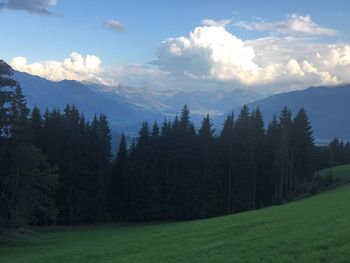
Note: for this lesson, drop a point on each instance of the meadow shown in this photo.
(314, 229)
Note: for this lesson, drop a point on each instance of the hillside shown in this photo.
(127, 106)
(314, 229)
(121, 113)
(328, 108)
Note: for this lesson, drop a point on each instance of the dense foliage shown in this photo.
(174, 172)
(57, 167)
(27, 181)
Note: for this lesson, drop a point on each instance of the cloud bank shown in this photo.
(31, 6)
(218, 23)
(211, 57)
(75, 67)
(211, 52)
(293, 25)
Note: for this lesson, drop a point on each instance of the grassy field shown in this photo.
(315, 229)
(342, 172)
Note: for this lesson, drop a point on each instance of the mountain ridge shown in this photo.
(126, 107)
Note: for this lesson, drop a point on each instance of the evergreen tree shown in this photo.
(256, 156)
(243, 161)
(302, 150)
(119, 181)
(28, 183)
(270, 183)
(36, 127)
(226, 163)
(7, 87)
(208, 185)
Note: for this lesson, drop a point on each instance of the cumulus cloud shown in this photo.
(74, 67)
(211, 57)
(115, 25)
(213, 53)
(208, 52)
(218, 23)
(294, 24)
(31, 6)
(88, 68)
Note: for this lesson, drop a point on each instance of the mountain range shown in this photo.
(328, 107)
(126, 107)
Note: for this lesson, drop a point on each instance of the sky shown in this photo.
(267, 46)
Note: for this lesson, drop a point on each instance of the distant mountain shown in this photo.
(328, 108)
(122, 114)
(141, 97)
(213, 102)
(126, 107)
(170, 102)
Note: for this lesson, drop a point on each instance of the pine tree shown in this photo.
(7, 87)
(226, 161)
(207, 183)
(302, 150)
(284, 155)
(270, 185)
(256, 154)
(186, 171)
(18, 132)
(104, 169)
(36, 127)
(28, 183)
(119, 183)
(243, 161)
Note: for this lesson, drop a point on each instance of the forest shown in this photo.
(57, 167)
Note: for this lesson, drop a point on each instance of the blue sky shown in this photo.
(82, 27)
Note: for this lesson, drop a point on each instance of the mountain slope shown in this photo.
(327, 107)
(126, 107)
(314, 229)
(44, 93)
(214, 102)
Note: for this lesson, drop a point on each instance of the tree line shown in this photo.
(57, 167)
(174, 172)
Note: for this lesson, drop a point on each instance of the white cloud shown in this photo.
(294, 24)
(208, 52)
(218, 23)
(75, 67)
(211, 57)
(30, 6)
(213, 53)
(115, 25)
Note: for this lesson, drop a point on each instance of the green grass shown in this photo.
(342, 172)
(315, 229)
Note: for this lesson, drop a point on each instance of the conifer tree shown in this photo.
(270, 185)
(36, 127)
(256, 155)
(119, 180)
(284, 155)
(226, 164)
(302, 149)
(207, 184)
(243, 160)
